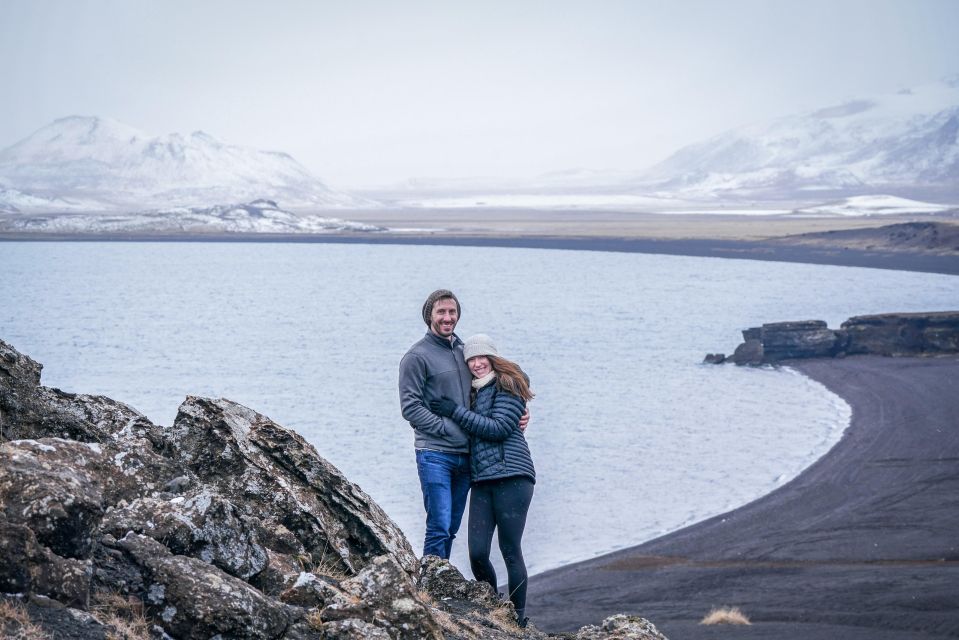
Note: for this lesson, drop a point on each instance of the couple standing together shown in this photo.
(467, 407)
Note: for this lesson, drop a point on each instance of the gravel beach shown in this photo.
(862, 544)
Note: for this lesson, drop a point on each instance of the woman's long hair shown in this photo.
(511, 378)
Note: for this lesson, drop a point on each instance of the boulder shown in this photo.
(203, 525)
(749, 352)
(384, 595)
(803, 339)
(621, 627)
(51, 487)
(28, 567)
(31, 411)
(196, 600)
(277, 476)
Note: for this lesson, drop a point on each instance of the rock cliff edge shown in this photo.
(889, 334)
(225, 525)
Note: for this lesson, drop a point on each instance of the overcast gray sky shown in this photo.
(366, 92)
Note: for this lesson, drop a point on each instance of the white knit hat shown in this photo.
(479, 345)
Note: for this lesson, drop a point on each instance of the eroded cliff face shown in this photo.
(224, 525)
(890, 334)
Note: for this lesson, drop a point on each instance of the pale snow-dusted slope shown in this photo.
(902, 143)
(260, 216)
(14, 201)
(97, 163)
(874, 206)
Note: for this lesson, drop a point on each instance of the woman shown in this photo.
(501, 468)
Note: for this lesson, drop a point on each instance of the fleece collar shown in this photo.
(443, 342)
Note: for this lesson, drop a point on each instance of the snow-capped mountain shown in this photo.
(906, 143)
(259, 216)
(99, 164)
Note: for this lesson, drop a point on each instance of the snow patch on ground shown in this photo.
(875, 205)
(259, 216)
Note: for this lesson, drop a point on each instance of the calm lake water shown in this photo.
(632, 437)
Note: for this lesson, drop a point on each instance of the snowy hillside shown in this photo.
(260, 216)
(99, 164)
(902, 143)
(878, 205)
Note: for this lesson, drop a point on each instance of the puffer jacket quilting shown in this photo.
(498, 448)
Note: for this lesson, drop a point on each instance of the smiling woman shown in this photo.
(311, 335)
(501, 468)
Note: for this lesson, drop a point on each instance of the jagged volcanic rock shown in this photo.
(223, 525)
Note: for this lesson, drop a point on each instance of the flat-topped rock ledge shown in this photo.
(225, 525)
(888, 334)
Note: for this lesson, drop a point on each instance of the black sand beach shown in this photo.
(710, 248)
(863, 544)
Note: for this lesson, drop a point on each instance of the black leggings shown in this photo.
(500, 504)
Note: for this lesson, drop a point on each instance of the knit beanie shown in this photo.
(439, 294)
(479, 345)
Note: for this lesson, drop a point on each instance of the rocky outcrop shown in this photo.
(223, 525)
(892, 334)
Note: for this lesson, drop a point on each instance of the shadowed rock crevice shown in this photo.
(223, 525)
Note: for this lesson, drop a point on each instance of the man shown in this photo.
(432, 368)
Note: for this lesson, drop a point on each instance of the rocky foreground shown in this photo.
(225, 525)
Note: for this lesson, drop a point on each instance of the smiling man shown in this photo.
(432, 368)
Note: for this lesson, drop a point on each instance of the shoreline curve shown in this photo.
(861, 544)
(693, 247)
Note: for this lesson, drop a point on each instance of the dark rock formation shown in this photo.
(223, 525)
(903, 334)
(893, 334)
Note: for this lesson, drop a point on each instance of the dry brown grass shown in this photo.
(330, 565)
(15, 624)
(124, 615)
(314, 619)
(725, 615)
(504, 617)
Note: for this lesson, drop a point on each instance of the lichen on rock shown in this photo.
(223, 525)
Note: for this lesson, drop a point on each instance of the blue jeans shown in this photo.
(445, 480)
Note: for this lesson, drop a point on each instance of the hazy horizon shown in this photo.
(374, 93)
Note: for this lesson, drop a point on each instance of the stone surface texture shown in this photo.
(892, 334)
(223, 525)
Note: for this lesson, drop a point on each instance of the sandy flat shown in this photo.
(767, 238)
(615, 224)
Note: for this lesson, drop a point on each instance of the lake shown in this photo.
(631, 435)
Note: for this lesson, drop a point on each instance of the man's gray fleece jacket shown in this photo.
(434, 367)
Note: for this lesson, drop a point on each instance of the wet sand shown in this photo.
(863, 544)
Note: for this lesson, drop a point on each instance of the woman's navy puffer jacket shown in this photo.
(497, 446)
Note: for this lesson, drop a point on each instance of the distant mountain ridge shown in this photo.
(904, 144)
(92, 163)
(259, 216)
